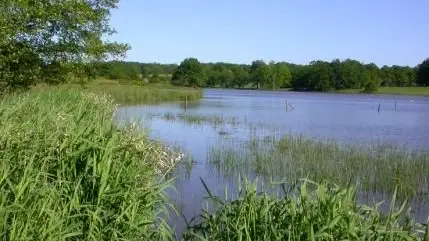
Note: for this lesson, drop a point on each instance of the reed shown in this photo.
(130, 94)
(378, 168)
(67, 172)
(315, 212)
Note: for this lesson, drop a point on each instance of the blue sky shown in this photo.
(384, 32)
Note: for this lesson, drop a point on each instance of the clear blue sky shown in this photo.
(384, 32)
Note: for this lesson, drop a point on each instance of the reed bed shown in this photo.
(67, 172)
(132, 94)
(378, 168)
(214, 120)
(315, 212)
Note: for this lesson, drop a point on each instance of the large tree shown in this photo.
(190, 73)
(257, 70)
(46, 40)
(422, 75)
(371, 78)
(281, 76)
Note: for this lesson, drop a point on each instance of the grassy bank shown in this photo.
(68, 173)
(312, 212)
(413, 91)
(379, 168)
(129, 93)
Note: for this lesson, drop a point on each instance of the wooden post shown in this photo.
(378, 107)
(186, 102)
(287, 106)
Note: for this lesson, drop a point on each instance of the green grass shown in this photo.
(379, 168)
(129, 93)
(416, 91)
(67, 172)
(214, 120)
(313, 212)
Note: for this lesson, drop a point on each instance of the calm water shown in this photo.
(346, 118)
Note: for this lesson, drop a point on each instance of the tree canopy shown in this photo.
(190, 73)
(422, 76)
(316, 76)
(45, 40)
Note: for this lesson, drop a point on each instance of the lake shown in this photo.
(400, 121)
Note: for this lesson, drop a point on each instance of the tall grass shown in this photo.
(316, 212)
(129, 93)
(374, 169)
(68, 173)
(215, 120)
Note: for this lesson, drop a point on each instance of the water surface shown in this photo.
(365, 119)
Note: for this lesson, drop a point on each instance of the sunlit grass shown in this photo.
(215, 120)
(132, 93)
(67, 172)
(374, 169)
(313, 212)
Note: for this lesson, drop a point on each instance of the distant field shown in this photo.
(421, 91)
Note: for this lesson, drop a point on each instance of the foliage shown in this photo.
(371, 78)
(44, 41)
(118, 70)
(190, 73)
(423, 73)
(312, 212)
(68, 173)
(316, 76)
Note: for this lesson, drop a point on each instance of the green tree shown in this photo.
(321, 77)
(371, 78)
(265, 75)
(281, 76)
(422, 74)
(46, 40)
(241, 76)
(256, 74)
(190, 73)
(349, 75)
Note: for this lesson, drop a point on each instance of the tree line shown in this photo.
(315, 76)
(55, 41)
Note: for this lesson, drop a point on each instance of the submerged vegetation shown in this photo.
(313, 212)
(373, 169)
(214, 120)
(68, 172)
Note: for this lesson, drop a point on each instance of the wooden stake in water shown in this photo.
(378, 107)
(287, 106)
(186, 102)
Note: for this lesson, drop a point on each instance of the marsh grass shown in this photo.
(215, 120)
(372, 169)
(130, 94)
(68, 173)
(314, 212)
